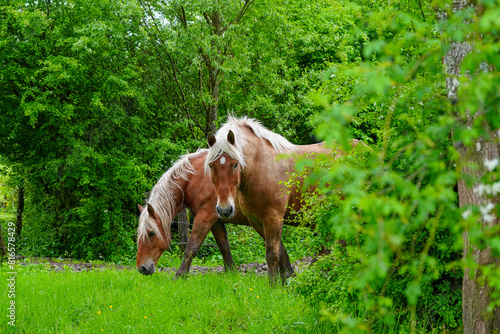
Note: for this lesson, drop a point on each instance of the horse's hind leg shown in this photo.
(286, 269)
(220, 234)
(272, 232)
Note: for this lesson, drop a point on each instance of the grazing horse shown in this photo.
(185, 185)
(248, 165)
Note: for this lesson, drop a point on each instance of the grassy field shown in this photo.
(114, 301)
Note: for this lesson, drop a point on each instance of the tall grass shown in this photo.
(113, 301)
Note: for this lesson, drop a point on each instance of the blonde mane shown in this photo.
(163, 196)
(236, 151)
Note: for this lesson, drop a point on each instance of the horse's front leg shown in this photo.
(201, 225)
(220, 234)
(272, 231)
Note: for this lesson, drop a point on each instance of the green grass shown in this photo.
(113, 301)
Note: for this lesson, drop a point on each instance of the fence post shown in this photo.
(183, 228)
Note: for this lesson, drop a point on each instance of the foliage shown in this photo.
(399, 260)
(262, 64)
(76, 125)
(477, 124)
(98, 98)
(7, 199)
(282, 52)
(188, 45)
(91, 115)
(398, 208)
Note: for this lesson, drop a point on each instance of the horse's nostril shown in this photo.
(224, 212)
(145, 270)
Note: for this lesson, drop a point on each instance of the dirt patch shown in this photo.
(59, 264)
(77, 266)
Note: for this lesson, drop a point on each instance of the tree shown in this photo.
(190, 44)
(478, 157)
(76, 124)
(399, 209)
(280, 57)
(256, 59)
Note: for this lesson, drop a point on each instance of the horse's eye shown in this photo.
(151, 234)
(210, 167)
(235, 165)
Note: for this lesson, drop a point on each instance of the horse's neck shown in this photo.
(265, 163)
(171, 197)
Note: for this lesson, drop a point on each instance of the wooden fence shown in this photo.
(182, 222)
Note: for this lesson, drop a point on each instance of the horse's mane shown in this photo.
(162, 198)
(237, 126)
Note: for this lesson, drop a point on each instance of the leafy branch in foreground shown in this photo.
(400, 208)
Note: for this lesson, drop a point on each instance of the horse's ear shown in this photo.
(230, 137)
(140, 208)
(211, 140)
(150, 210)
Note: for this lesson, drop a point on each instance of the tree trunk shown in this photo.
(20, 210)
(213, 108)
(213, 65)
(476, 292)
(3, 248)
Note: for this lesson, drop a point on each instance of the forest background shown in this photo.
(99, 98)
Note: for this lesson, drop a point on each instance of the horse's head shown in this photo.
(152, 240)
(226, 173)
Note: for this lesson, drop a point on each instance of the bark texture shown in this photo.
(476, 292)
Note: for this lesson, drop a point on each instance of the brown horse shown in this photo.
(184, 185)
(248, 173)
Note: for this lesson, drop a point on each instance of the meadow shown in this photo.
(123, 301)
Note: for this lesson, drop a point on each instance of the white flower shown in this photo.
(466, 214)
(490, 164)
(485, 212)
(479, 189)
(487, 208)
(487, 189)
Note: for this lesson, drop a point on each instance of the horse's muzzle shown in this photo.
(226, 212)
(147, 270)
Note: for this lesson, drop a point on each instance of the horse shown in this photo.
(249, 166)
(185, 185)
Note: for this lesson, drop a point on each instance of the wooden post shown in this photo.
(183, 228)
